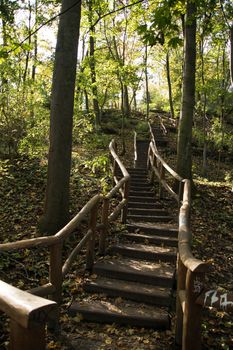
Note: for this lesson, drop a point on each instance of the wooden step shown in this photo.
(143, 293)
(142, 238)
(145, 194)
(121, 313)
(140, 187)
(159, 229)
(136, 271)
(137, 171)
(145, 252)
(149, 218)
(136, 198)
(139, 181)
(147, 212)
(145, 205)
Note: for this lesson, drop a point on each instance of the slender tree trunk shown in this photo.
(184, 159)
(204, 158)
(147, 84)
(86, 100)
(25, 74)
(56, 212)
(92, 65)
(231, 55)
(126, 106)
(35, 45)
(222, 101)
(169, 85)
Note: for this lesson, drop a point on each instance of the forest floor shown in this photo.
(22, 188)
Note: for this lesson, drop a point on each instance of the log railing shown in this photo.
(121, 179)
(192, 295)
(57, 268)
(28, 316)
(164, 173)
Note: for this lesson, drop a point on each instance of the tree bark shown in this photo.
(231, 55)
(92, 64)
(147, 84)
(204, 158)
(184, 158)
(169, 86)
(56, 213)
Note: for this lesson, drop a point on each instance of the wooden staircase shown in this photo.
(133, 284)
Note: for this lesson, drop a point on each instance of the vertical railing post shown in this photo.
(126, 196)
(162, 177)
(29, 338)
(181, 280)
(104, 222)
(148, 165)
(91, 242)
(55, 270)
(152, 174)
(192, 312)
(55, 278)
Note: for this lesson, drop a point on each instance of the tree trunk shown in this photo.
(169, 85)
(204, 158)
(35, 45)
(231, 55)
(147, 85)
(184, 159)
(92, 65)
(126, 106)
(56, 212)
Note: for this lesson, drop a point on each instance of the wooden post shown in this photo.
(55, 278)
(180, 193)
(181, 278)
(126, 196)
(192, 312)
(104, 230)
(27, 338)
(91, 242)
(162, 177)
(152, 174)
(55, 270)
(148, 165)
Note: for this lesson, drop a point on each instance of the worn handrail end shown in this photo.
(24, 308)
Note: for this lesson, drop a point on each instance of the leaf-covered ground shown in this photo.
(22, 187)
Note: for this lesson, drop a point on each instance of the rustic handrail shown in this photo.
(185, 235)
(152, 136)
(58, 269)
(121, 186)
(28, 315)
(135, 148)
(158, 167)
(58, 237)
(55, 243)
(166, 166)
(191, 292)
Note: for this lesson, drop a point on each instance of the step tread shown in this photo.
(122, 313)
(136, 268)
(155, 239)
(144, 252)
(147, 211)
(153, 228)
(130, 290)
(139, 205)
(149, 218)
(146, 248)
(158, 227)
